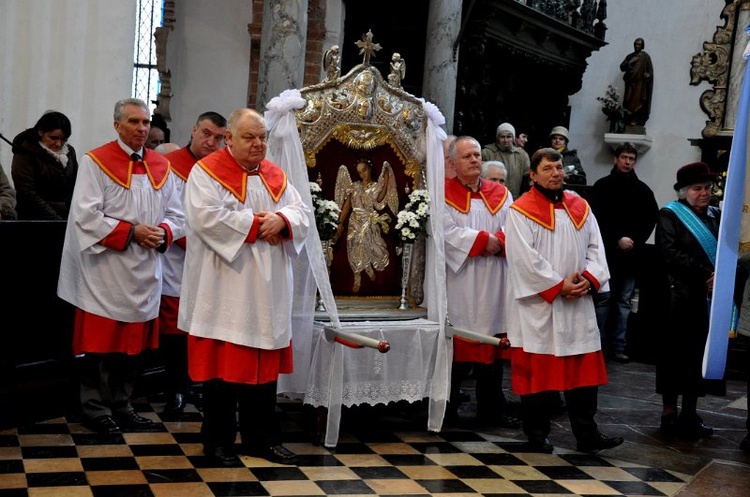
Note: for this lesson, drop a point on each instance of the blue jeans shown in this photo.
(612, 311)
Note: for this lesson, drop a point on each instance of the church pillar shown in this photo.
(441, 66)
(282, 48)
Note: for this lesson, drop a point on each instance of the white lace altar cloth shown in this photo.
(340, 375)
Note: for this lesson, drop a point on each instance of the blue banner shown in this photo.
(715, 354)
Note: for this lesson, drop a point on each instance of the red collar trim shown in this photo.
(541, 210)
(182, 161)
(228, 173)
(117, 164)
(458, 196)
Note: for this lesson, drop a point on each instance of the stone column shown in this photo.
(282, 48)
(441, 64)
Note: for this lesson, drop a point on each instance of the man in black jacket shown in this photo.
(626, 211)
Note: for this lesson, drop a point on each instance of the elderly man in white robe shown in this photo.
(475, 278)
(556, 261)
(125, 209)
(246, 223)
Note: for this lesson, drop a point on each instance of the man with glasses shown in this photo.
(625, 232)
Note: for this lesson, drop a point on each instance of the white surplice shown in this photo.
(235, 291)
(173, 260)
(119, 285)
(475, 285)
(539, 259)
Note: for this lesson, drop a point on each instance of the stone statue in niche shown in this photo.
(638, 74)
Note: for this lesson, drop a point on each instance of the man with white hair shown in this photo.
(516, 159)
(494, 170)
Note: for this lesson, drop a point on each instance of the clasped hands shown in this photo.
(148, 236)
(575, 286)
(270, 226)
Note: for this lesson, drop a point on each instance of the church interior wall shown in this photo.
(208, 54)
(674, 31)
(72, 56)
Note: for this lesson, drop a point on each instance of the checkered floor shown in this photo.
(392, 456)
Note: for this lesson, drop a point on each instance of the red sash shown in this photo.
(541, 210)
(228, 173)
(117, 164)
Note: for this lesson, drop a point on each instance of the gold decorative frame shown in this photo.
(714, 66)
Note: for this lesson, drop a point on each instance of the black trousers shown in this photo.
(489, 386)
(173, 349)
(258, 425)
(106, 383)
(582, 406)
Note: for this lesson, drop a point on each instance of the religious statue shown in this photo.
(639, 84)
(331, 61)
(398, 70)
(361, 202)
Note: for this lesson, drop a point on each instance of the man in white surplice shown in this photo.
(245, 225)
(556, 262)
(474, 218)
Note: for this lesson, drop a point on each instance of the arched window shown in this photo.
(145, 75)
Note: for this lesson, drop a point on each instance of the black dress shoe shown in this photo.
(103, 425)
(175, 403)
(223, 456)
(134, 421)
(668, 426)
(691, 426)
(541, 445)
(597, 443)
(275, 453)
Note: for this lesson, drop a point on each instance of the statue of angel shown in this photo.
(331, 59)
(398, 70)
(361, 202)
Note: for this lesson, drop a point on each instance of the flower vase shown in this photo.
(405, 266)
(326, 244)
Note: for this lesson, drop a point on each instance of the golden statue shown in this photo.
(361, 202)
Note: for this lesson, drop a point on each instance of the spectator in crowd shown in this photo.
(246, 224)
(166, 148)
(494, 170)
(681, 230)
(125, 209)
(206, 137)
(155, 137)
(44, 168)
(521, 140)
(516, 160)
(475, 277)
(556, 261)
(574, 173)
(450, 171)
(7, 198)
(626, 211)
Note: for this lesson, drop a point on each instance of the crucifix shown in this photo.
(367, 47)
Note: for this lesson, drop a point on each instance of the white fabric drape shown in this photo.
(435, 292)
(285, 150)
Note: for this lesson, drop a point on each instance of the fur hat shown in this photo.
(560, 130)
(507, 127)
(695, 173)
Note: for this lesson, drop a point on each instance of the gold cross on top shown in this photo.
(367, 47)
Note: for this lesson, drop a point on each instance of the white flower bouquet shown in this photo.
(411, 221)
(326, 213)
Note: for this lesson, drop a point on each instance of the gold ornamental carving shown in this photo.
(714, 65)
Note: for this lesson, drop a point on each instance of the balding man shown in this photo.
(246, 223)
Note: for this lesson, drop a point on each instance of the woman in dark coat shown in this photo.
(690, 276)
(44, 169)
